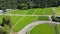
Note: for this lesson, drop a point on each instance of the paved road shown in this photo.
(26, 28)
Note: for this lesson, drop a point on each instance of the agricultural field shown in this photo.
(42, 29)
(19, 22)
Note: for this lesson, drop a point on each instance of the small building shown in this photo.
(1, 11)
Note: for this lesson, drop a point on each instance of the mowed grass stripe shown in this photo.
(31, 11)
(39, 12)
(42, 29)
(27, 20)
(34, 11)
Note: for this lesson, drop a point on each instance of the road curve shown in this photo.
(26, 28)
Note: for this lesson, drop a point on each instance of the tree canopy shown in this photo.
(20, 4)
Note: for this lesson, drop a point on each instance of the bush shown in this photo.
(6, 21)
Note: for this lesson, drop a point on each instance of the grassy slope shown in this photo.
(14, 19)
(43, 18)
(31, 11)
(58, 11)
(19, 11)
(45, 11)
(42, 29)
(58, 25)
(24, 22)
(1, 18)
(48, 11)
(39, 12)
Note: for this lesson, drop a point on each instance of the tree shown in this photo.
(6, 21)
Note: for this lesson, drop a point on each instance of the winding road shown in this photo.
(26, 28)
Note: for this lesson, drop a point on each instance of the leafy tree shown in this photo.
(6, 21)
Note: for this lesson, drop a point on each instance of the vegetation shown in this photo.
(56, 19)
(42, 29)
(58, 28)
(5, 25)
(43, 18)
(27, 20)
(27, 4)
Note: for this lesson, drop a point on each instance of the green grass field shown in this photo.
(1, 19)
(43, 18)
(39, 11)
(58, 11)
(58, 28)
(14, 19)
(22, 21)
(42, 29)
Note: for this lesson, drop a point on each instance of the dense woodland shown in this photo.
(27, 4)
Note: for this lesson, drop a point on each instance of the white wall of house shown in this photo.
(1, 11)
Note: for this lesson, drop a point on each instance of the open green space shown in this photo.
(39, 11)
(19, 11)
(27, 20)
(47, 11)
(31, 11)
(42, 29)
(14, 19)
(58, 11)
(58, 28)
(1, 18)
(43, 18)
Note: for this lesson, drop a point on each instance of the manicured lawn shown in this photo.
(58, 28)
(43, 18)
(14, 19)
(39, 12)
(42, 29)
(58, 11)
(47, 11)
(31, 11)
(19, 11)
(24, 22)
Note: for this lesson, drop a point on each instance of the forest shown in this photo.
(27, 4)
